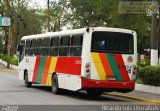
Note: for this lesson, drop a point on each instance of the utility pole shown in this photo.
(154, 34)
(49, 26)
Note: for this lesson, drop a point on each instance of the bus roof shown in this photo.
(52, 34)
(74, 31)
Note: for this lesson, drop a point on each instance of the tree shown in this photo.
(86, 13)
(25, 21)
(58, 10)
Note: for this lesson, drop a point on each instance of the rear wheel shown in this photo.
(92, 92)
(55, 88)
(26, 81)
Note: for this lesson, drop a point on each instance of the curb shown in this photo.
(8, 70)
(135, 98)
(147, 88)
(11, 66)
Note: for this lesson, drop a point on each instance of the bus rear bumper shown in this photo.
(89, 83)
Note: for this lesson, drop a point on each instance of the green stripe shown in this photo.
(41, 69)
(114, 67)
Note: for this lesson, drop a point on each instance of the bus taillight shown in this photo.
(87, 70)
(134, 73)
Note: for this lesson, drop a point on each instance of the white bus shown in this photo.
(95, 59)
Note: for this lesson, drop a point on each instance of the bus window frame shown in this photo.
(113, 52)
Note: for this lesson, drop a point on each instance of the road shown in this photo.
(13, 92)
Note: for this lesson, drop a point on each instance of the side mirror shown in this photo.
(17, 53)
(19, 50)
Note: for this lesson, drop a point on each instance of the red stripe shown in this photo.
(106, 65)
(46, 70)
(122, 67)
(36, 67)
(90, 83)
(69, 65)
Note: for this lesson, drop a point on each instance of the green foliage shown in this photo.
(12, 60)
(25, 21)
(3, 57)
(150, 75)
(139, 81)
(147, 63)
(89, 13)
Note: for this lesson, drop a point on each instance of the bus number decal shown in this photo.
(129, 69)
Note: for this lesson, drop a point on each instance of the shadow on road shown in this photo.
(80, 94)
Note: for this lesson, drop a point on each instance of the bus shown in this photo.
(94, 59)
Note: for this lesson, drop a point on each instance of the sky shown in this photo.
(38, 3)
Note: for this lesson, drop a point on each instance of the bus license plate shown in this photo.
(111, 78)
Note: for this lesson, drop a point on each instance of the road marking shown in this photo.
(8, 70)
(135, 98)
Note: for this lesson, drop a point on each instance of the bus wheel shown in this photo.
(55, 88)
(93, 93)
(27, 83)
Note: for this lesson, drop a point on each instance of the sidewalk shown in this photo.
(2, 66)
(11, 66)
(138, 95)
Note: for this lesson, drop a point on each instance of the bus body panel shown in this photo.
(107, 85)
(107, 66)
(108, 70)
(71, 71)
(69, 82)
(40, 70)
(28, 64)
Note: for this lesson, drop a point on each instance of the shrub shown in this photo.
(150, 75)
(4, 57)
(147, 63)
(1, 55)
(138, 69)
(14, 61)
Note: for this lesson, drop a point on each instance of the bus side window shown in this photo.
(46, 42)
(76, 40)
(64, 51)
(76, 45)
(45, 46)
(54, 42)
(54, 50)
(38, 46)
(65, 41)
(45, 51)
(64, 46)
(22, 42)
(27, 50)
(32, 47)
(27, 43)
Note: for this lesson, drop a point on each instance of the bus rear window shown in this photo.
(112, 42)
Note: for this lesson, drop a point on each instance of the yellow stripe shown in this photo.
(99, 66)
(51, 70)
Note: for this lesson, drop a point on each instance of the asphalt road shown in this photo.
(13, 92)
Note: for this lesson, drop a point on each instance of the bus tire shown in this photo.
(26, 81)
(94, 93)
(126, 91)
(55, 88)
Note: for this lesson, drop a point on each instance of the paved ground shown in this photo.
(13, 92)
(144, 95)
